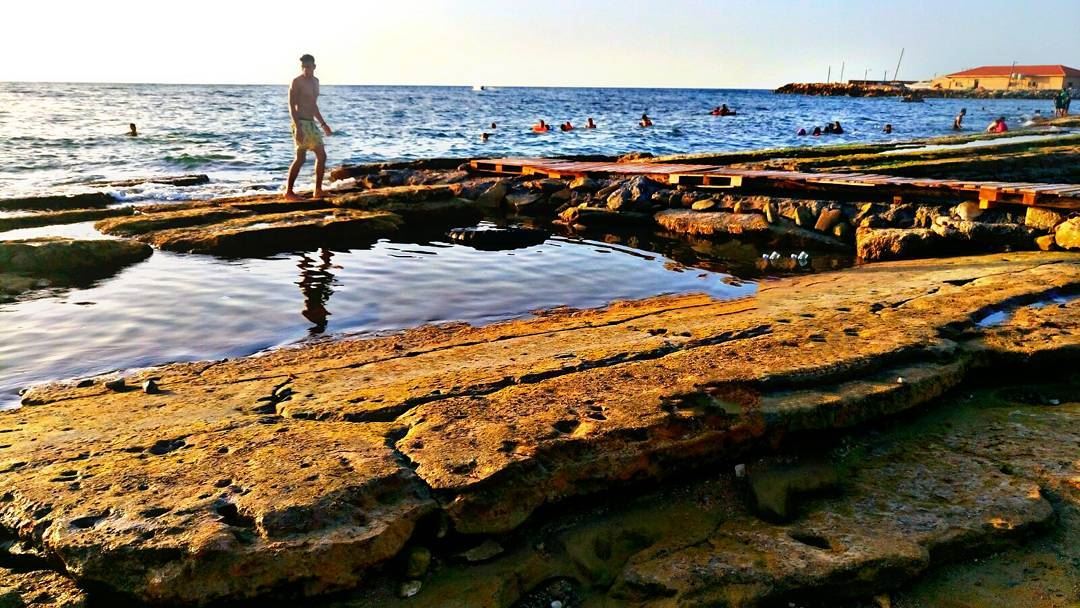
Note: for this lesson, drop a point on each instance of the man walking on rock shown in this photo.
(304, 111)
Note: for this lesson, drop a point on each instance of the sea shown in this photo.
(67, 138)
(62, 138)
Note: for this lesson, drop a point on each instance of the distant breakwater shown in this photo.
(840, 89)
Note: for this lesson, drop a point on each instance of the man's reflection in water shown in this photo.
(316, 283)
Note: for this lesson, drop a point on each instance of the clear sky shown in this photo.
(671, 43)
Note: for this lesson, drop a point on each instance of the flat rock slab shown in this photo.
(38, 589)
(61, 217)
(247, 234)
(265, 224)
(491, 422)
(169, 180)
(960, 481)
(59, 261)
(92, 200)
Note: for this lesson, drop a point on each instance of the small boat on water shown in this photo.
(479, 87)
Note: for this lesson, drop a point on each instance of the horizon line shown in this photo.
(454, 86)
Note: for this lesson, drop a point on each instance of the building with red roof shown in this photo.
(1011, 77)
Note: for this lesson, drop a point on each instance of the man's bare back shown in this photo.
(304, 112)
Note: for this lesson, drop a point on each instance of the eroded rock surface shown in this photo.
(38, 589)
(303, 468)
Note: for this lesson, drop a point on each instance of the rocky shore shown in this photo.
(843, 89)
(842, 438)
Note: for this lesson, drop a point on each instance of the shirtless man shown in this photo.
(304, 110)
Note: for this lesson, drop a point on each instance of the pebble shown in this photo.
(482, 552)
(150, 387)
(900, 380)
(116, 385)
(740, 471)
(556, 604)
(409, 588)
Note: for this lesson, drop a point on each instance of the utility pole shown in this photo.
(828, 78)
(842, 64)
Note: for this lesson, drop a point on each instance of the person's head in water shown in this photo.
(131, 130)
(887, 129)
(963, 111)
(817, 131)
(307, 65)
(590, 124)
(494, 126)
(484, 136)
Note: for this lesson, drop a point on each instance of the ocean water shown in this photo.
(60, 138)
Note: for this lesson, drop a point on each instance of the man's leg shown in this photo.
(294, 170)
(320, 167)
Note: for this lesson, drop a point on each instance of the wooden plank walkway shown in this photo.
(988, 193)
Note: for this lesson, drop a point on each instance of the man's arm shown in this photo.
(318, 114)
(292, 102)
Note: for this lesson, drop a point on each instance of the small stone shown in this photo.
(150, 387)
(1054, 401)
(584, 184)
(703, 205)
(562, 195)
(804, 217)
(772, 214)
(409, 589)
(483, 552)
(1045, 242)
(1067, 234)
(116, 385)
(828, 219)
(740, 471)
(900, 380)
(556, 604)
(844, 232)
(883, 601)
(1042, 219)
(418, 562)
(968, 211)
(85, 383)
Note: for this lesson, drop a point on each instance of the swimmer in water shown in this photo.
(566, 126)
(645, 121)
(132, 132)
(590, 124)
(484, 137)
(541, 127)
(887, 129)
(494, 126)
(958, 122)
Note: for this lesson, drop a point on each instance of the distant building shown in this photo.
(1007, 77)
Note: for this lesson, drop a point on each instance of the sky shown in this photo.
(632, 43)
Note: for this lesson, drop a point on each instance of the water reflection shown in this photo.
(317, 285)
